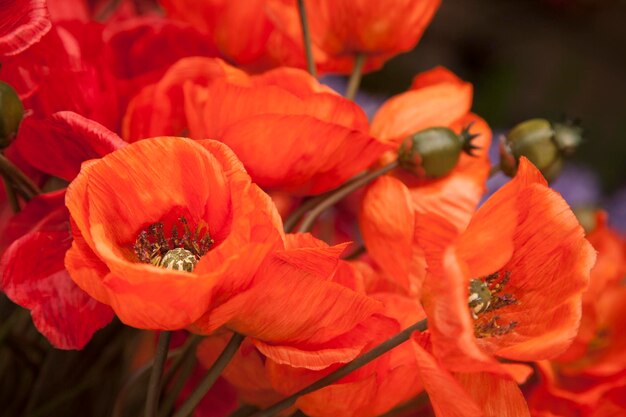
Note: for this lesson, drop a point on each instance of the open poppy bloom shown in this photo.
(511, 284)
(390, 205)
(160, 258)
(291, 132)
(189, 241)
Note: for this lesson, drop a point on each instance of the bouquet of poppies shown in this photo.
(193, 224)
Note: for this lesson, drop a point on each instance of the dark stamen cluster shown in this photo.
(490, 327)
(151, 244)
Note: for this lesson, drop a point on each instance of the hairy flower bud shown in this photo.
(542, 142)
(435, 151)
(11, 112)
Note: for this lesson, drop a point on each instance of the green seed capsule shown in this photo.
(542, 142)
(11, 113)
(534, 140)
(434, 152)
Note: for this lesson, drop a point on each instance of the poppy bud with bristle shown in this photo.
(435, 151)
(542, 142)
(11, 113)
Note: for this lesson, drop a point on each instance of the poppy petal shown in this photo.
(61, 311)
(23, 23)
(59, 144)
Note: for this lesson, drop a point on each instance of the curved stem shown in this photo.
(346, 369)
(154, 385)
(188, 348)
(295, 216)
(24, 185)
(211, 376)
(337, 195)
(186, 368)
(11, 196)
(306, 38)
(118, 406)
(355, 77)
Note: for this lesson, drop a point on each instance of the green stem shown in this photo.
(189, 348)
(291, 221)
(11, 196)
(355, 77)
(346, 369)
(118, 406)
(186, 366)
(211, 376)
(154, 385)
(341, 192)
(306, 38)
(24, 185)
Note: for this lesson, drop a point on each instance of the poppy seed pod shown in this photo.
(542, 142)
(11, 112)
(435, 151)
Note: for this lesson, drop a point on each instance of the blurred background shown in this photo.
(537, 58)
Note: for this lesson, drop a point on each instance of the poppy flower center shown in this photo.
(181, 250)
(485, 296)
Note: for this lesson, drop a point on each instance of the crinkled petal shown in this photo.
(66, 315)
(59, 144)
(23, 23)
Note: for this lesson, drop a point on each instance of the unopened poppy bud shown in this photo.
(435, 151)
(11, 112)
(542, 142)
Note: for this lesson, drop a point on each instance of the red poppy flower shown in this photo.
(62, 312)
(208, 206)
(390, 205)
(84, 66)
(226, 232)
(511, 284)
(23, 23)
(222, 21)
(342, 29)
(159, 109)
(290, 132)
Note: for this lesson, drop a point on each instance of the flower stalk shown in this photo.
(306, 38)
(211, 376)
(154, 385)
(355, 78)
(334, 197)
